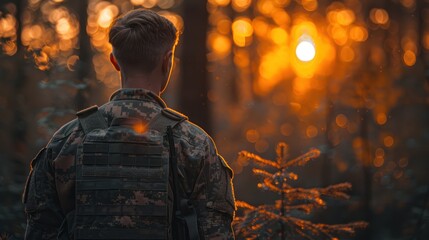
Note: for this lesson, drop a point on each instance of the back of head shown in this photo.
(140, 38)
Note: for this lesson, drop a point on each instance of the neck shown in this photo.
(145, 81)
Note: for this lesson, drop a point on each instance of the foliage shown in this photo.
(278, 220)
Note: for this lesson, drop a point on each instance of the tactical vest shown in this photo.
(122, 177)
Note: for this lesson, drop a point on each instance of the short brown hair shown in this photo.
(140, 38)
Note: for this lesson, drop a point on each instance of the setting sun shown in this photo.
(305, 51)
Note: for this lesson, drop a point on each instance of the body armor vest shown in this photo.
(122, 177)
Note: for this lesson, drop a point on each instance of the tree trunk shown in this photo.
(194, 87)
(84, 66)
(19, 123)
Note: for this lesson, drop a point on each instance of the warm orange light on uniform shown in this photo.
(139, 128)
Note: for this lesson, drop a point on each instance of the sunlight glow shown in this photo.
(305, 51)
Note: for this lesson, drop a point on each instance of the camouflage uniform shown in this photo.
(49, 195)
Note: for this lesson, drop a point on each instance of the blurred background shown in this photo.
(349, 77)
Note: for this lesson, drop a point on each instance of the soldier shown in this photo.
(102, 175)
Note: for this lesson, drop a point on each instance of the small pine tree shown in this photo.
(276, 221)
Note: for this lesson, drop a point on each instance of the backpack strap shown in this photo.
(167, 117)
(185, 225)
(91, 119)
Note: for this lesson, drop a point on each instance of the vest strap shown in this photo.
(91, 119)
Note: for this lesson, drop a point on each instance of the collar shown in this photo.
(137, 94)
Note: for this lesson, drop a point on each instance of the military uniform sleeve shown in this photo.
(40, 200)
(41, 204)
(215, 222)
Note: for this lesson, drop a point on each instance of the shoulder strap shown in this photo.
(167, 117)
(91, 119)
(184, 211)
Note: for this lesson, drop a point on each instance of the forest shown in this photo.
(321, 107)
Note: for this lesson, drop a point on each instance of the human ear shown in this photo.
(114, 62)
(167, 63)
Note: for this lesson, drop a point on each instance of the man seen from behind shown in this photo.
(132, 168)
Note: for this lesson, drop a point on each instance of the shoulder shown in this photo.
(60, 136)
(66, 130)
(195, 136)
(189, 131)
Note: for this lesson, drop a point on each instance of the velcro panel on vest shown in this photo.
(122, 181)
(125, 160)
(124, 172)
(118, 210)
(120, 184)
(131, 234)
(125, 148)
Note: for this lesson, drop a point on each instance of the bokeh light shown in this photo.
(305, 51)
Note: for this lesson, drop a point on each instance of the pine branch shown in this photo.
(336, 191)
(259, 160)
(305, 208)
(243, 204)
(348, 228)
(282, 151)
(267, 221)
(262, 173)
(303, 159)
(268, 184)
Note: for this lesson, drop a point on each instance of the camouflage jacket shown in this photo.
(49, 196)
